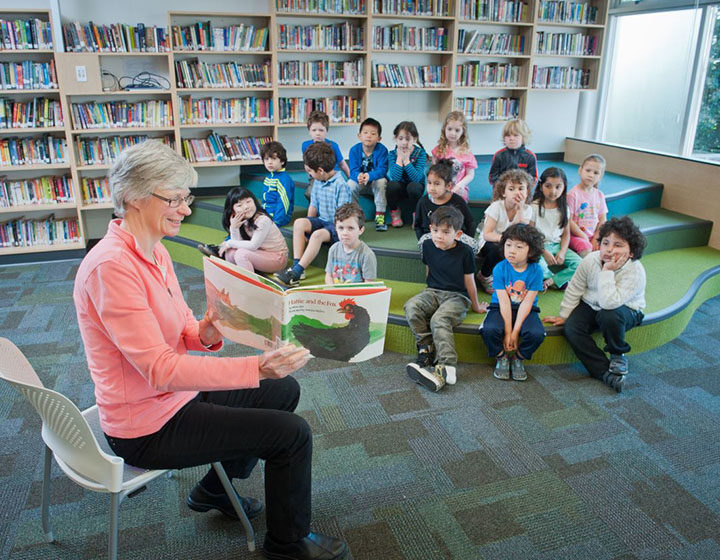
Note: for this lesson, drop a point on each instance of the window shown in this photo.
(707, 134)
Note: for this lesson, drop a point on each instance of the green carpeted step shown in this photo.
(666, 229)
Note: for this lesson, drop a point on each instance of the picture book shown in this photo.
(344, 322)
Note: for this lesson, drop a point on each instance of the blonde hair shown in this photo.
(512, 176)
(463, 144)
(517, 126)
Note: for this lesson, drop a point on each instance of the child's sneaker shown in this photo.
(613, 381)
(209, 250)
(395, 218)
(427, 377)
(287, 277)
(380, 224)
(517, 369)
(426, 356)
(448, 373)
(618, 364)
(502, 368)
(486, 283)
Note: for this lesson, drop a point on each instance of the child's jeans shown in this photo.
(376, 188)
(532, 332)
(564, 272)
(258, 259)
(612, 323)
(432, 315)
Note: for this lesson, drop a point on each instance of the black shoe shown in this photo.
(426, 356)
(312, 547)
(202, 500)
(614, 381)
(208, 250)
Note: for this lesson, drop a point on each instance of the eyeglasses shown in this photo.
(176, 202)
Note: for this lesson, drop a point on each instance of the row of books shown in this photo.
(95, 190)
(490, 43)
(560, 77)
(488, 109)
(200, 74)
(495, 10)
(399, 76)
(475, 74)
(223, 148)
(104, 150)
(31, 151)
(116, 37)
(39, 112)
(322, 6)
(402, 37)
(204, 36)
(566, 44)
(336, 37)
(321, 73)
(25, 34)
(413, 7)
(340, 109)
(39, 190)
(28, 75)
(567, 12)
(122, 114)
(216, 110)
(39, 231)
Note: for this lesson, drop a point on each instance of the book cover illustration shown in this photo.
(339, 322)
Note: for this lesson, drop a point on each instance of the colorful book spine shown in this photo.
(122, 114)
(199, 74)
(490, 43)
(117, 37)
(493, 74)
(212, 110)
(337, 37)
(560, 77)
(488, 109)
(28, 75)
(220, 148)
(567, 12)
(574, 44)
(340, 109)
(322, 6)
(36, 113)
(104, 150)
(321, 73)
(95, 190)
(410, 38)
(413, 7)
(33, 151)
(40, 231)
(398, 76)
(25, 34)
(506, 11)
(38, 190)
(204, 36)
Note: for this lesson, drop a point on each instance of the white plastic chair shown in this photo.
(76, 441)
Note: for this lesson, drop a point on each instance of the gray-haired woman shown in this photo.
(161, 407)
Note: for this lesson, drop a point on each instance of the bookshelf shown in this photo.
(38, 195)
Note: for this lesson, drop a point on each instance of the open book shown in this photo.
(344, 322)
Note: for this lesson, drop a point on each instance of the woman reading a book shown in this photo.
(162, 408)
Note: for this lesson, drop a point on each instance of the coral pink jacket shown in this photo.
(137, 330)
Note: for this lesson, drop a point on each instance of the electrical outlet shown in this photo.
(81, 73)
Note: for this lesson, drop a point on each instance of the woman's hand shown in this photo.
(283, 361)
(209, 335)
(551, 320)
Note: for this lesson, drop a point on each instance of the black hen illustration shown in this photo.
(340, 343)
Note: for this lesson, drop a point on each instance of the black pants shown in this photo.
(236, 428)
(397, 191)
(612, 323)
(532, 332)
(491, 253)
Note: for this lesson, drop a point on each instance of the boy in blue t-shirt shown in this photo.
(512, 330)
(278, 195)
(438, 309)
(318, 124)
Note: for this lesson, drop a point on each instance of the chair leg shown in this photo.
(114, 522)
(227, 485)
(45, 504)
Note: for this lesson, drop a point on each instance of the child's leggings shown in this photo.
(258, 259)
(532, 332)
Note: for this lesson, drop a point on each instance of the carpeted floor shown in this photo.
(558, 467)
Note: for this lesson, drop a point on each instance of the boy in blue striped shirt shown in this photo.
(278, 188)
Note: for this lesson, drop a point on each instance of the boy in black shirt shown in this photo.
(438, 309)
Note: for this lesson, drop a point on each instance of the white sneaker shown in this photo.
(449, 373)
(427, 377)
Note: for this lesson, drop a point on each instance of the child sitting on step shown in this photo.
(607, 293)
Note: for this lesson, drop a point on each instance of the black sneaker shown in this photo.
(426, 356)
(287, 277)
(614, 381)
(201, 500)
(209, 250)
(618, 364)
